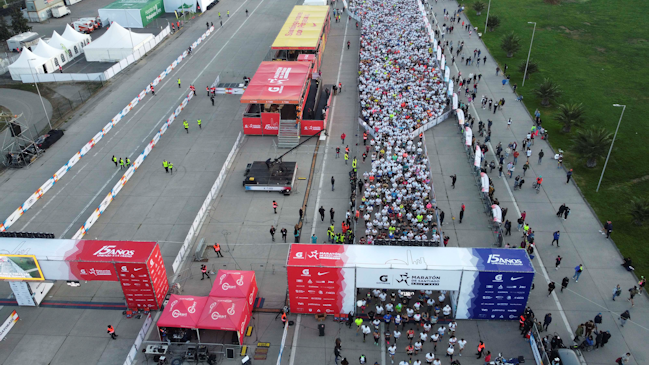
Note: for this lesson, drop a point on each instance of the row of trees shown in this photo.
(18, 25)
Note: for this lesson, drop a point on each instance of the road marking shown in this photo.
(295, 335)
(538, 253)
(326, 152)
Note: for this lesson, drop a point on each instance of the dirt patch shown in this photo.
(587, 23)
(637, 41)
(574, 34)
(601, 50)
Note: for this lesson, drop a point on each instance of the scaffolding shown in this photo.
(19, 149)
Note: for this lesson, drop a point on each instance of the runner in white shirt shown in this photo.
(434, 338)
(423, 336)
(396, 334)
(418, 345)
(389, 307)
(441, 298)
(441, 331)
(379, 309)
(392, 350)
(427, 327)
(383, 296)
(410, 312)
(417, 318)
(452, 327)
(437, 362)
(452, 341)
(366, 331)
(450, 351)
(429, 358)
(461, 343)
(446, 310)
(417, 362)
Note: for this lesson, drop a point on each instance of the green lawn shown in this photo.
(595, 50)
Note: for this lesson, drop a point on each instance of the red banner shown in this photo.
(92, 271)
(270, 122)
(137, 286)
(311, 127)
(315, 290)
(158, 275)
(252, 126)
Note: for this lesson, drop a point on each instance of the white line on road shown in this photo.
(294, 343)
(324, 159)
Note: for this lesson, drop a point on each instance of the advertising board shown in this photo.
(20, 267)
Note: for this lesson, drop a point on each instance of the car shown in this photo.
(45, 141)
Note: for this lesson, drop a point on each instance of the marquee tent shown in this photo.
(55, 55)
(29, 63)
(235, 284)
(132, 13)
(277, 82)
(225, 314)
(72, 35)
(71, 48)
(116, 44)
(183, 311)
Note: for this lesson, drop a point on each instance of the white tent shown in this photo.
(57, 56)
(71, 48)
(116, 44)
(29, 63)
(72, 35)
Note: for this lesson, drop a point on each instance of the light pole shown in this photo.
(39, 91)
(487, 20)
(611, 149)
(530, 52)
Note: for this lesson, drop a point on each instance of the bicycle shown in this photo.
(536, 186)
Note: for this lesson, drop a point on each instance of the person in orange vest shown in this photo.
(480, 350)
(217, 250)
(357, 215)
(111, 332)
(364, 138)
(204, 272)
(275, 206)
(207, 88)
(152, 90)
(283, 319)
(193, 89)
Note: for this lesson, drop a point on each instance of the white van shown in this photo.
(60, 11)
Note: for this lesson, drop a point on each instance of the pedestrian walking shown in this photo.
(333, 181)
(152, 90)
(462, 212)
(342, 137)
(541, 154)
(564, 283)
(608, 229)
(217, 249)
(171, 167)
(632, 293)
(128, 162)
(578, 270)
(114, 160)
(546, 321)
(186, 126)
(204, 272)
(441, 217)
(284, 233)
(568, 176)
(346, 157)
(121, 163)
(322, 213)
(624, 317)
(551, 287)
(331, 215)
(557, 262)
(111, 332)
(453, 180)
(480, 350)
(199, 124)
(275, 206)
(179, 78)
(617, 291)
(556, 238)
(272, 232)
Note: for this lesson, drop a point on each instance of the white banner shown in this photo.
(497, 213)
(484, 180)
(450, 88)
(468, 135)
(408, 279)
(455, 105)
(447, 76)
(439, 53)
(443, 64)
(8, 324)
(478, 156)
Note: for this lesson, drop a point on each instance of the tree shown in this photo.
(533, 67)
(548, 91)
(639, 210)
(5, 32)
(478, 7)
(570, 115)
(18, 22)
(592, 144)
(510, 43)
(493, 22)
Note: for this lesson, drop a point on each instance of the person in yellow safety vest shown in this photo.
(165, 164)
(217, 250)
(228, 13)
(186, 125)
(179, 78)
(283, 319)
(341, 238)
(199, 124)
(115, 160)
(354, 162)
(121, 163)
(128, 162)
(171, 168)
(346, 158)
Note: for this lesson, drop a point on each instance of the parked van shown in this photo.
(60, 11)
(27, 39)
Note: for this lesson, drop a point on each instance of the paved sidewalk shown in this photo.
(580, 240)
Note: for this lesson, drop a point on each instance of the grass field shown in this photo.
(595, 50)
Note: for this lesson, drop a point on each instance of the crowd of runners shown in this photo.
(401, 88)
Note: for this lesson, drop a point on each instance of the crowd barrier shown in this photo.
(200, 216)
(130, 358)
(88, 146)
(131, 170)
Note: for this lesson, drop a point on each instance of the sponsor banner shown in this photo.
(408, 279)
(8, 324)
(500, 295)
(315, 290)
(490, 259)
(252, 126)
(311, 127)
(93, 271)
(270, 123)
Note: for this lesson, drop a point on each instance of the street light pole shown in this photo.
(39, 92)
(530, 52)
(487, 20)
(612, 143)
